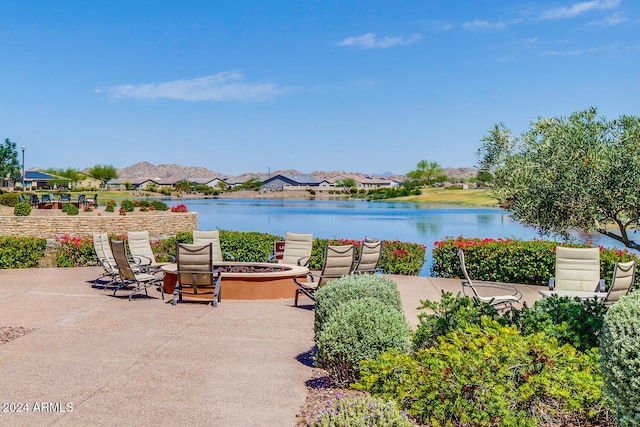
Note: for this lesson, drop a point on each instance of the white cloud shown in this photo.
(579, 8)
(369, 41)
(226, 86)
(478, 25)
(579, 52)
(610, 21)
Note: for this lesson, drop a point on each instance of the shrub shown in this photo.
(110, 206)
(127, 205)
(70, 209)
(360, 330)
(447, 315)
(360, 411)
(248, 246)
(22, 209)
(512, 261)
(21, 252)
(9, 199)
(179, 208)
(75, 252)
(620, 361)
(159, 205)
(396, 258)
(570, 320)
(490, 375)
(332, 296)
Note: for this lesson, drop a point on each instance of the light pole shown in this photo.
(23, 148)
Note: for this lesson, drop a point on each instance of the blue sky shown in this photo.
(254, 86)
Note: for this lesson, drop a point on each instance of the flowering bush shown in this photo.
(396, 258)
(21, 252)
(75, 252)
(360, 411)
(179, 208)
(511, 261)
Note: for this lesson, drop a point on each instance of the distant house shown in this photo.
(366, 182)
(36, 179)
(279, 182)
(140, 183)
(88, 181)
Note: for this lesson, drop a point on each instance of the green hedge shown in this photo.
(396, 258)
(21, 252)
(512, 261)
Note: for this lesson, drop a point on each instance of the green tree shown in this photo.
(426, 173)
(184, 185)
(9, 164)
(251, 184)
(577, 172)
(103, 172)
(346, 183)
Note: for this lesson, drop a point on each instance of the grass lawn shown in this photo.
(478, 197)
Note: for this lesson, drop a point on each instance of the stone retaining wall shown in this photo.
(158, 224)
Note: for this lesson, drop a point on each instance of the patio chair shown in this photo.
(203, 237)
(47, 201)
(338, 261)
(624, 274)
(35, 201)
(141, 252)
(500, 295)
(577, 269)
(131, 278)
(65, 198)
(106, 259)
(370, 252)
(92, 202)
(82, 200)
(297, 249)
(196, 275)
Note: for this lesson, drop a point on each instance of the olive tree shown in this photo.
(9, 164)
(566, 173)
(104, 172)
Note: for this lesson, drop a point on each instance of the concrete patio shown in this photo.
(98, 360)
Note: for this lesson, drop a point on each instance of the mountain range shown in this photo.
(146, 169)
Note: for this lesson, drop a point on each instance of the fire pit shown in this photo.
(248, 280)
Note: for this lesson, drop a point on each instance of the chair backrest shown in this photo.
(465, 273)
(370, 252)
(82, 199)
(338, 261)
(122, 260)
(65, 197)
(34, 199)
(140, 247)
(577, 269)
(297, 247)
(101, 246)
(624, 274)
(95, 200)
(47, 198)
(202, 237)
(195, 267)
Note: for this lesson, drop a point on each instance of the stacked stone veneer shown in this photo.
(158, 224)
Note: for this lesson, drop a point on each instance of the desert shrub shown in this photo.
(168, 245)
(127, 205)
(569, 320)
(75, 252)
(110, 206)
(512, 261)
(490, 375)
(360, 330)
(360, 411)
(447, 315)
(334, 294)
(142, 203)
(159, 205)
(22, 209)
(9, 199)
(21, 252)
(70, 209)
(620, 360)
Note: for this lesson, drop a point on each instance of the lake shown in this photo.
(404, 221)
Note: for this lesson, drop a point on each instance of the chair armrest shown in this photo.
(304, 261)
(552, 283)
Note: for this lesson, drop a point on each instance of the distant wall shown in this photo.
(158, 224)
